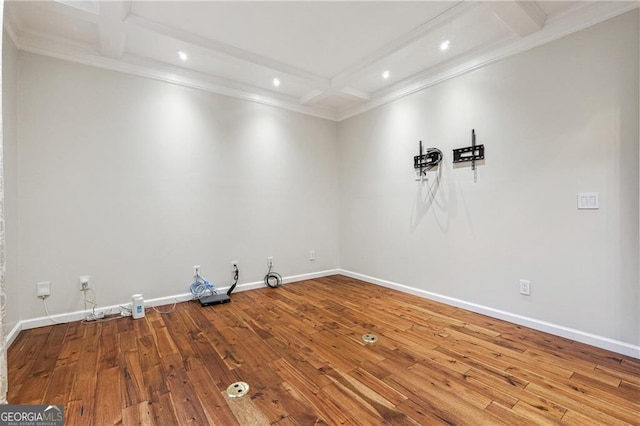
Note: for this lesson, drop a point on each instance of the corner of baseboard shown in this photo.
(13, 334)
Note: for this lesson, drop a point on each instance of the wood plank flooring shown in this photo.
(299, 348)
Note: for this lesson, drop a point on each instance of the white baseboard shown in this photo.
(178, 298)
(11, 336)
(555, 329)
(311, 276)
(558, 330)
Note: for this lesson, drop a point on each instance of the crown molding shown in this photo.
(48, 46)
(585, 17)
(30, 39)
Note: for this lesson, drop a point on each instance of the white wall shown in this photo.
(132, 181)
(555, 121)
(10, 154)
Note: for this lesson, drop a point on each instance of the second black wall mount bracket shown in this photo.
(471, 154)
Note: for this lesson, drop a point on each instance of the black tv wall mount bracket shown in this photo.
(471, 154)
(426, 160)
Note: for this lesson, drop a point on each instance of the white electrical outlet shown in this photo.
(270, 261)
(84, 282)
(525, 287)
(44, 289)
(588, 200)
(312, 255)
(196, 270)
(234, 266)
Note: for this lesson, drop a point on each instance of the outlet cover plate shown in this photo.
(84, 281)
(588, 201)
(44, 289)
(525, 287)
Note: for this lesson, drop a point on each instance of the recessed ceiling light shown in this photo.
(182, 55)
(276, 82)
(386, 74)
(444, 45)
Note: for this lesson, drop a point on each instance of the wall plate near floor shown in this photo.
(43, 289)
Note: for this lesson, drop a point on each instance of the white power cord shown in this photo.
(125, 311)
(46, 310)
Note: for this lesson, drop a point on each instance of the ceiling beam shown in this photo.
(110, 27)
(313, 97)
(112, 40)
(357, 94)
(231, 51)
(521, 17)
(345, 77)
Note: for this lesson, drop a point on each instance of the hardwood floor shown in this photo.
(299, 348)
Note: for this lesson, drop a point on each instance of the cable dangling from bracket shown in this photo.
(426, 161)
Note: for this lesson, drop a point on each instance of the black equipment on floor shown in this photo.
(219, 299)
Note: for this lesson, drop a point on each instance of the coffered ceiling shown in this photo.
(331, 59)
